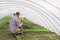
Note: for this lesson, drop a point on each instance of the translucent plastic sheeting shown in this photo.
(42, 12)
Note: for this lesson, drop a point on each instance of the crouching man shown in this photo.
(15, 24)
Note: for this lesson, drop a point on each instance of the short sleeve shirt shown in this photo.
(14, 24)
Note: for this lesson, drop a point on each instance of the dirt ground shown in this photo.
(6, 36)
(30, 36)
(40, 36)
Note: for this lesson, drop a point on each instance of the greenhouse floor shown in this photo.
(40, 36)
(30, 36)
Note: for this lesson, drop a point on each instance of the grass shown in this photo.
(35, 32)
(4, 25)
(34, 27)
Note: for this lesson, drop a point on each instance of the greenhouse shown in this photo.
(42, 19)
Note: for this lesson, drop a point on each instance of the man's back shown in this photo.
(14, 24)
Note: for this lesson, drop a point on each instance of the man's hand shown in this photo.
(21, 23)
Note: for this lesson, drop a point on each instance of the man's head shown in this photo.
(17, 14)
